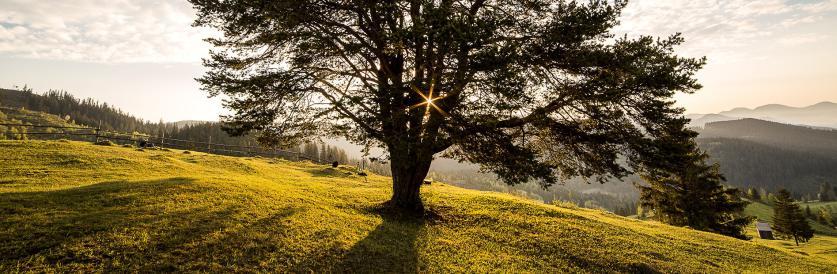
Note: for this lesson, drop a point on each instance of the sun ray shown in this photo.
(428, 100)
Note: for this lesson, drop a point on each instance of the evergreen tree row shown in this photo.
(91, 113)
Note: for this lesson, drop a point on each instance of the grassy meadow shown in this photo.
(76, 207)
(764, 213)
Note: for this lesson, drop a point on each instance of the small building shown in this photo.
(765, 232)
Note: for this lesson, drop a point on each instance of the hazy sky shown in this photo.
(142, 55)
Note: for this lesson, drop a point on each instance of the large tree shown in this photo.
(532, 90)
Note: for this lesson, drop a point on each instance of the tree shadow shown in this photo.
(389, 248)
(146, 226)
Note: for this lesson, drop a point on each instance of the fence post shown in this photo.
(96, 132)
(209, 144)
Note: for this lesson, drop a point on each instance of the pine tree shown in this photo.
(788, 219)
(754, 194)
(825, 192)
(824, 216)
(689, 192)
(771, 198)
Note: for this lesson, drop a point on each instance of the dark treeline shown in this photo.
(324, 153)
(87, 112)
(748, 164)
(91, 113)
(790, 137)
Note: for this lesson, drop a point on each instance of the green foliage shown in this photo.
(764, 212)
(77, 207)
(825, 216)
(753, 194)
(688, 192)
(788, 219)
(825, 192)
(530, 90)
(66, 110)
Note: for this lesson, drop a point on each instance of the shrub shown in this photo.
(564, 204)
(105, 143)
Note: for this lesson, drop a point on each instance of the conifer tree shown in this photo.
(825, 192)
(686, 191)
(788, 219)
(754, 194)
(824, 216)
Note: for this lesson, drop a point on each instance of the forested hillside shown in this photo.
(791, 137)
(66, 108)
(751, 164)
(757, 153)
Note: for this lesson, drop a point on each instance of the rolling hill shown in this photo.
(77, 207)
(756, 153)
(791, 137)
(823, 114)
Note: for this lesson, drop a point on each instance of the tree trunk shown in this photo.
(407, 177)
(796, 239)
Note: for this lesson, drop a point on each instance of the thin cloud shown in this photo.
(801, 39)
(714, 28)
(160, 30)
(101, 31)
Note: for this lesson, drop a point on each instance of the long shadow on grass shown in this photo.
(151, 225)
(390, 248)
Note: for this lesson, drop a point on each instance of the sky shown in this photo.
(143, 56)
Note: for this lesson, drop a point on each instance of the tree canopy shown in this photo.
(531, 90)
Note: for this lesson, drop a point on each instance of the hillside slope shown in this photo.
(70, 206)
(799, 138)
(764, 213)
(750, 164)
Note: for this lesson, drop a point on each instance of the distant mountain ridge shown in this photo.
(823, 114)
(800, 138)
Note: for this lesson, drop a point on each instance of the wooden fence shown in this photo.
(138, 139)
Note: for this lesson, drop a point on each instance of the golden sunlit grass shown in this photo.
(71, 206)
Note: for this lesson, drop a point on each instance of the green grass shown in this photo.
(815, 206)
(8, 114)
(764, 212)
(76, 207)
